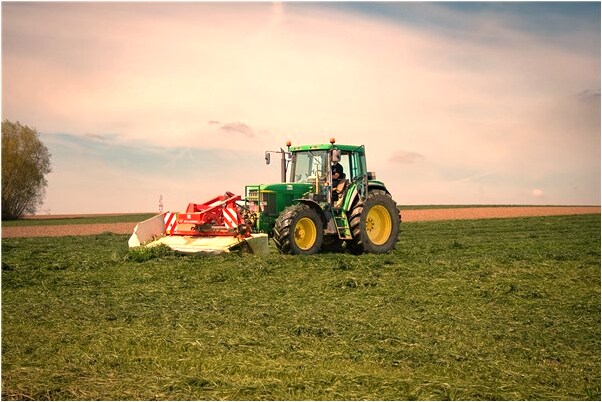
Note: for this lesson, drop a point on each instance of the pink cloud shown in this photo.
(537, 193)
(406, 157)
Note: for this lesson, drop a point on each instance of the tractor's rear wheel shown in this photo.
(374, 224)
(298, 230)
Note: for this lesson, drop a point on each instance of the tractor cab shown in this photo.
(313, 164)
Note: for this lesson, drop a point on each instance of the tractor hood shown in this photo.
(270, 199)
(282, 187)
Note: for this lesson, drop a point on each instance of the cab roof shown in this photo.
(326, 147)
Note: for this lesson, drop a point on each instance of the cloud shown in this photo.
(589, 96)
(406, 157)
(236, 127)
(240, 128)
(537, 193)
(101, 137)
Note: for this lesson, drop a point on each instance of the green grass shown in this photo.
(471, 310)
(83, 220)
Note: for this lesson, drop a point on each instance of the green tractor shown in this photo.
(307, 214)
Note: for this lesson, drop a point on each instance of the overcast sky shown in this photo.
(456, 103)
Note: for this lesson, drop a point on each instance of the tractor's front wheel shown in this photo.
(298, 230)
(374, 224)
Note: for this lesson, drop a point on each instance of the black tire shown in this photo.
(299, 230)
(374, 224)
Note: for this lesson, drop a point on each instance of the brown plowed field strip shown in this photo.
(491, 212)
(68, 230)
(406, 215)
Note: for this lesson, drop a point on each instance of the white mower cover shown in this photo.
(147, 231)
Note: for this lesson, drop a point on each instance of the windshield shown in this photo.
(309, 164)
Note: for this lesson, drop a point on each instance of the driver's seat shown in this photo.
(340, 189)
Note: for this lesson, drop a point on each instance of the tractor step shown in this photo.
(342, 225)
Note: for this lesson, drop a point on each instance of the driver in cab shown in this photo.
(338, 183)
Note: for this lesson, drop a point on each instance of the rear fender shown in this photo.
(377, 186)
(353, 195)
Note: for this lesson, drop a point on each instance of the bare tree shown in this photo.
(25, 162)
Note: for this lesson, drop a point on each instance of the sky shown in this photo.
(456, 103)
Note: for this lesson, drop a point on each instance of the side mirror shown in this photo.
(267, 158)
(336, 155)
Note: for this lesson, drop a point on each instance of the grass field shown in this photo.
(484, 309)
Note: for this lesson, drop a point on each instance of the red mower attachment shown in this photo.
(215, 226)
(217, 217)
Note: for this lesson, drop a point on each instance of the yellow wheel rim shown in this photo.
(378, 225)
(306, 233)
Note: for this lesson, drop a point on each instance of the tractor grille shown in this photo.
(268, 203)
